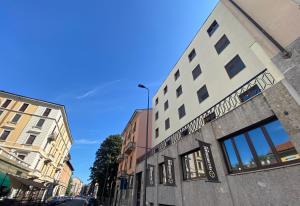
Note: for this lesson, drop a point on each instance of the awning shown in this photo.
(4, 181)
(27, 182)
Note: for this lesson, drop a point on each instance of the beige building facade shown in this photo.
(37, 133)
(76, 187)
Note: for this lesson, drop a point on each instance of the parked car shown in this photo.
(56, 200)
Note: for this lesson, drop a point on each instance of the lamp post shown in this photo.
(146, 148)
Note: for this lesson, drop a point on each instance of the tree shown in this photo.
(105, 167)
(68, 191)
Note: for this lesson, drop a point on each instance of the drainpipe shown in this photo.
(285, 54)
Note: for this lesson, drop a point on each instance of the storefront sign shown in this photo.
(170, 172)
(210, 168)
(150, 176)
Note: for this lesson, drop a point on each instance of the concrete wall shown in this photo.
(276, 186)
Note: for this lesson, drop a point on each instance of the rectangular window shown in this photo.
(234, 66)
(193, 165)
(46, 112)
(166, 105)
(40, 123)
(192, 55)
(156, 101)
(249, 93)
(181, 111)
(176, 75)
(24, 107)
(4, 134)
(167, 123)
(196, 72)
(264, 146)
(6, 103)
(162, 173)
(222, 44)
(156, 132)
(1, 111)
(165, 89)
(16, 118)
(202, 94)
(156, 115)
(213, 27)
(179, 91)
(30, 139)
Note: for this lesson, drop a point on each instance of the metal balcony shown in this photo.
(122, 174)
(129, 147)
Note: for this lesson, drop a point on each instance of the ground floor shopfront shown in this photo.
(249, 156)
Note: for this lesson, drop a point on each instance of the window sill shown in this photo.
(196, 179)
(265, 169)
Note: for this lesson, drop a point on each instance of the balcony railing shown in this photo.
(263, 80)
(52, 137)
(7, 154)
(129, 147)
(122, 173)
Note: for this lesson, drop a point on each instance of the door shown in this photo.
(138, 188)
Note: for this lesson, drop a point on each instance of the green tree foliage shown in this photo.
(68, 191)
(105, 167)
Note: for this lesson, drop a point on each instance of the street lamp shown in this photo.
(146, 148)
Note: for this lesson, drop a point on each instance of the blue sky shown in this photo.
(90, 56)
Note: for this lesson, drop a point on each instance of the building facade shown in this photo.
(64, 178)
(226, 119)
(133, 147)
(37, 133)
(76, 187)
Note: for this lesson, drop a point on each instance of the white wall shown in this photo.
(213, 75)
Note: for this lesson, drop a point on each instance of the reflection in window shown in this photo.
(262, 148)
(281, 141)
(234, 163)
(244, 151)
(193, 165)
(162, 173)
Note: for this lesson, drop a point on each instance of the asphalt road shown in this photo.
(75, 202)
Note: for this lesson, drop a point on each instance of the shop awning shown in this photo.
(4, 181)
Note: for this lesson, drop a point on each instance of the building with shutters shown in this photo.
(226, 119)
(35, 133)
(133, 147)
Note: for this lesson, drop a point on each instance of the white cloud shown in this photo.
(86, 141)
(96, 89)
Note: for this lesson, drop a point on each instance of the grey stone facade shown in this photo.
(276, 186)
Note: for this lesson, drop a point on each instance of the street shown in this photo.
(75, 202)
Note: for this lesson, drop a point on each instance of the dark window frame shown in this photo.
(192, 55)
(203, 96)
(160, 173)
(156, 115)
(16, 118)
(166, 105)
(179, 114)
(30, 140)
(179, 91)
(196, 72)
(232, 71)
(6, 103)
(245, 133)
(41, 121)
(166, 89)
(47, 112)
(23, 107)
(167, 124)
(157, 132)
(177, 74)
(221, 44)
(6, 136)
(212, 28)
(156, 101)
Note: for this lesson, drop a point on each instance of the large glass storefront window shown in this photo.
(264, 146)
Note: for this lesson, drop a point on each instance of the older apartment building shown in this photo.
(133, 147)
(226, 119)
(64, 178)
(36, 132)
